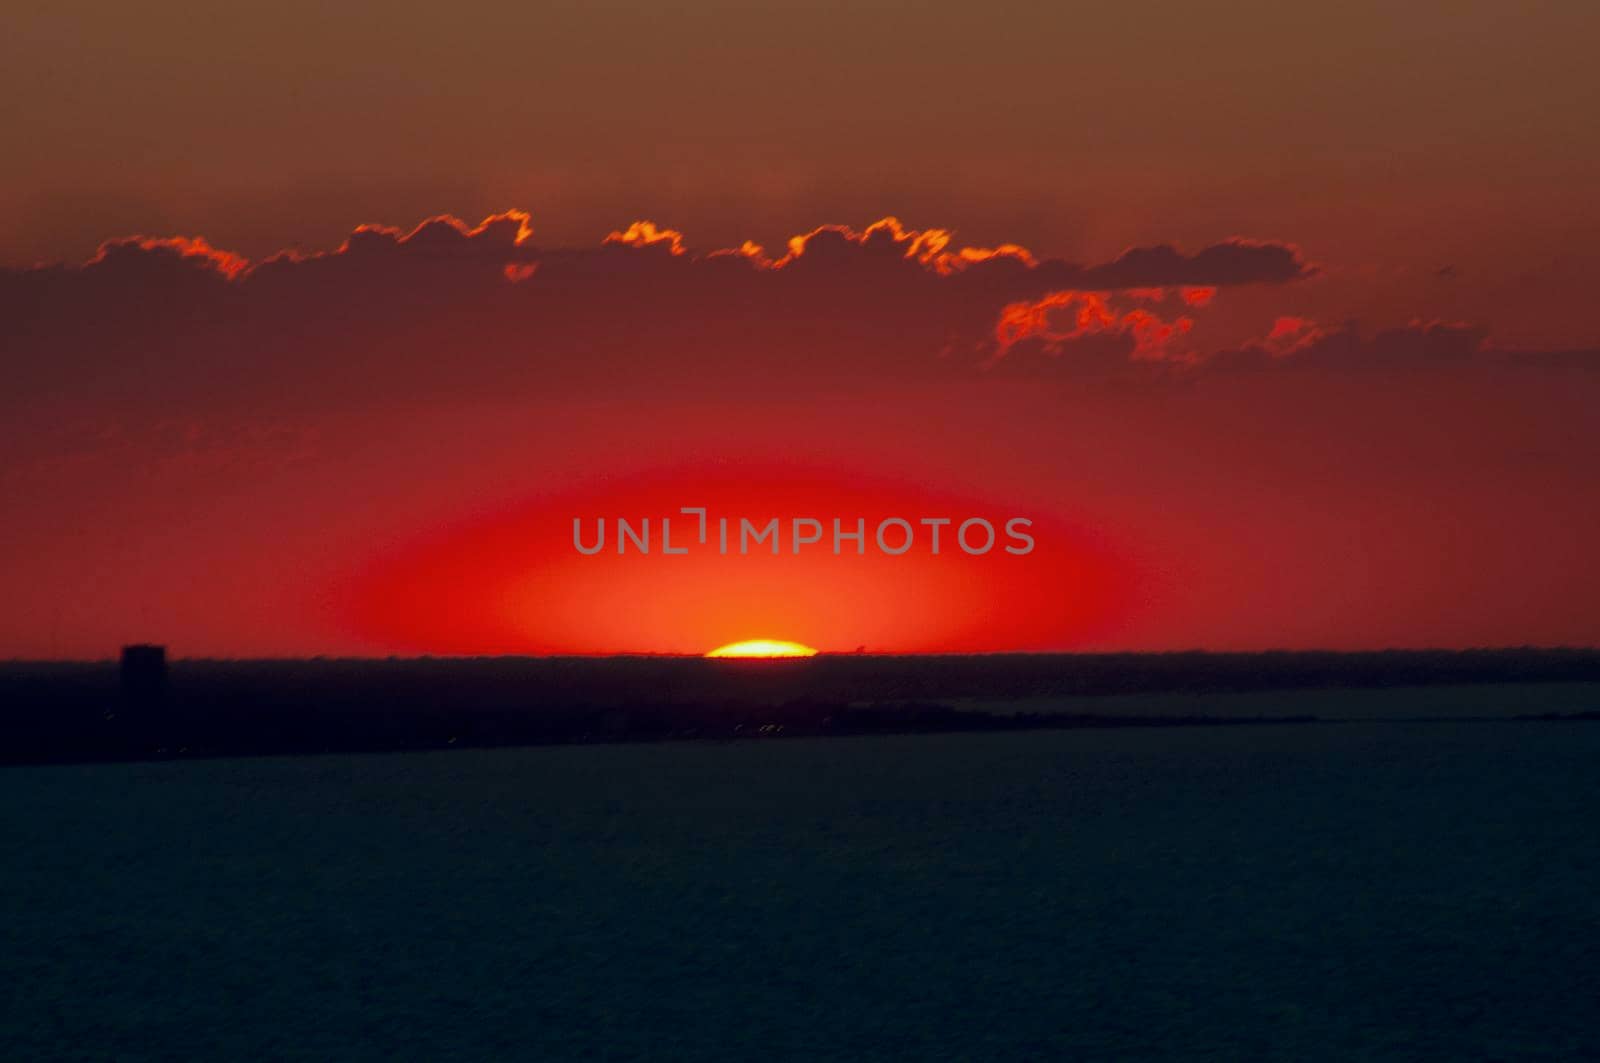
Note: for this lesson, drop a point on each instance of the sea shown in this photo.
(1416, 878)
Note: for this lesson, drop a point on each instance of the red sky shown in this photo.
(1288, 340)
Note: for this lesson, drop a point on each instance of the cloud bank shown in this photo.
(448, 308)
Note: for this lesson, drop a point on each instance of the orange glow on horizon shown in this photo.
(763, 648)
(511, 581)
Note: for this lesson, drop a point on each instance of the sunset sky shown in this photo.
(320, 325)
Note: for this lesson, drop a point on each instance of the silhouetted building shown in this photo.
(144, 672)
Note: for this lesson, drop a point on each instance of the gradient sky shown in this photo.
(1278, 318)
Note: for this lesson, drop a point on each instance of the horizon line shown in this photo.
(671, 655)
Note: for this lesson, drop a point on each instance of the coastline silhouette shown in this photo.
(143, 707)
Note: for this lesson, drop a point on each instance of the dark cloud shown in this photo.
(447, 309)
(1232, 262)
(1296, 343)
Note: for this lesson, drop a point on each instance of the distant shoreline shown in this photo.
(60, 712)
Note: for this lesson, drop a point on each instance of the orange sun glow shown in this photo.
(763, 648)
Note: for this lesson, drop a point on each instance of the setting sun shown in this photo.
(763, 648)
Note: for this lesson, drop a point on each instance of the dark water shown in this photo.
(1351, 891)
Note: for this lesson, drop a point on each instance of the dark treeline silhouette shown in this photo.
(146, 708)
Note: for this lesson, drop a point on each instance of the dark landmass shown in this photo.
(56, 712)
(1559, 717)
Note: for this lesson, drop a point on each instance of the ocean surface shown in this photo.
(1368, 889)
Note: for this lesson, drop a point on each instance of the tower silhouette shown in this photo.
(144, 673)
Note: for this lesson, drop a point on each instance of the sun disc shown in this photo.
(763, 648)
